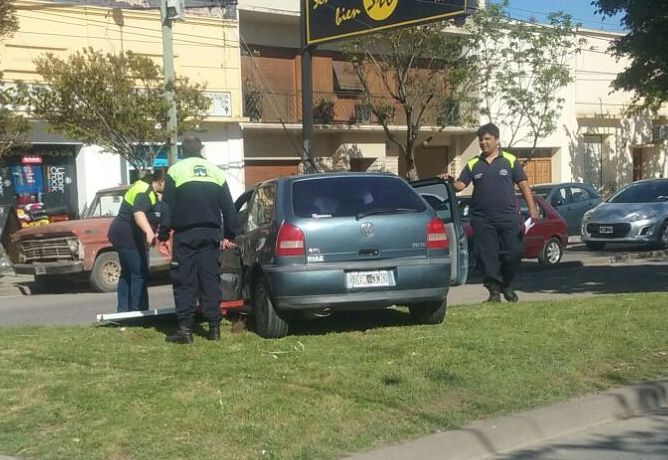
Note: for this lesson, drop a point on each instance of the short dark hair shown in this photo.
(191, 146)
(489, 128)
(156, 176)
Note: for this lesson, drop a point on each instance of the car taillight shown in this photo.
(437, 238)
(290, 241)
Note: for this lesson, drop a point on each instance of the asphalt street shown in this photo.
(581, 273)
(637, 438)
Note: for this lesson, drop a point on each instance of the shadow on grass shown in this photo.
(351, 321)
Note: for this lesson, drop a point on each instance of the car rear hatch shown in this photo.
(359, 218)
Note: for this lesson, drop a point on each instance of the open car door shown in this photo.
(9, 224)
(231, 266)
(442, 197)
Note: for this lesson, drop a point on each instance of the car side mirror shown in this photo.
(558, 202)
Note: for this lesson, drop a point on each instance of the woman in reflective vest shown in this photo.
(132, 234)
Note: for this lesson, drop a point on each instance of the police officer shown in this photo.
(497, 235)
(197, 196)
(131, 233)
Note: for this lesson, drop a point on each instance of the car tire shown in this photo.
(428, 312)
(662, 241)
(551, 253)
(595, 245)
(268, 322)
(106, 272)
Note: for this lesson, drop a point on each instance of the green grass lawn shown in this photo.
(338, 385)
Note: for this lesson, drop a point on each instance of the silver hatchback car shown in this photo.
(354, 241)
(637, 213)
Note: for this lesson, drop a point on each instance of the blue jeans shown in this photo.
(133, 283)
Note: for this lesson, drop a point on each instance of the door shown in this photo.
(538, 170)
(231, 267)
(561, 201)
(534, 239)
(637, 164)
(441, 196)
(581, 202)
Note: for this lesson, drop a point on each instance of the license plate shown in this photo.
(40, 270)
(378, 278)
(605, 229)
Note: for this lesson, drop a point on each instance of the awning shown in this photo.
(345, 77)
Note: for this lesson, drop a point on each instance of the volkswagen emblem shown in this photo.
(368, 229)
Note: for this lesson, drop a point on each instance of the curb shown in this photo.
(486, 438)
(658, 254)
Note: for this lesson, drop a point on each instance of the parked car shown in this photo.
(343, 241)
(571, 200)
(74, 248)
(547, 238)
(636, 213)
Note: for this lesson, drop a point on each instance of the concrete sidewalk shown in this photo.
(484, 439)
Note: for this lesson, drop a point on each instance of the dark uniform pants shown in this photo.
(195, 274)
(499, 246)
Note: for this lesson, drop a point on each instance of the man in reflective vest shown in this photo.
(132, 233)
(497, 235)
(201, 213)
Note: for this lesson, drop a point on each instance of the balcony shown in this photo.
(338, 108)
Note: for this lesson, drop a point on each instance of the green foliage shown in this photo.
(116, 101)
(415, 69)
(645, 45)
(323, 111)
(521, 69)
(13, 126)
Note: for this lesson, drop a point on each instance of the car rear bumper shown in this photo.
(324, 285)
(49, 268)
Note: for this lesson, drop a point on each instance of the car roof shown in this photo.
(328, 175)
(560, 184)
(118, 188)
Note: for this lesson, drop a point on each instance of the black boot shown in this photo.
(214, 331)
(494, 293)
(183, 335)
(509, 294)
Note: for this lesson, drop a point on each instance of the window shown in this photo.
(262, 207)
(579, 194)
(560, 197)
(105, 206)
(350, 196)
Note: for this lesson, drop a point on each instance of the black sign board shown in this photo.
(328, 20)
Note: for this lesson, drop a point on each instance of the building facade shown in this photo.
(206, 50)
(347, 135)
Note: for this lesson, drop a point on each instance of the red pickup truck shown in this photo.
(73, 248)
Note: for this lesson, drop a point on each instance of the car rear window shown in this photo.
(354, 196)
(540, 191)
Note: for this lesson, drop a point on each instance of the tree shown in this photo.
(420, 72)
(13, 125)
(116, 101)
(645, 45)
(521, 69)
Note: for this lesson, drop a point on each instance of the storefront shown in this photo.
(40, 181)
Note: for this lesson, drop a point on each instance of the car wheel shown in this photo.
(551, 253)
(662, 242)
(595, 245)
(106, 272)
(428, 312)
(268, 323)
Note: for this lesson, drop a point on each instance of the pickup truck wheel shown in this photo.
(268, 323)
(105, 273)
(428, 312)
(551, 253)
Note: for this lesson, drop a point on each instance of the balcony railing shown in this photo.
(338, 108)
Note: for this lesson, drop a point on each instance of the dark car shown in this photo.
(571, 200)
(343, 241)
(637, 213)
(545, 240)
